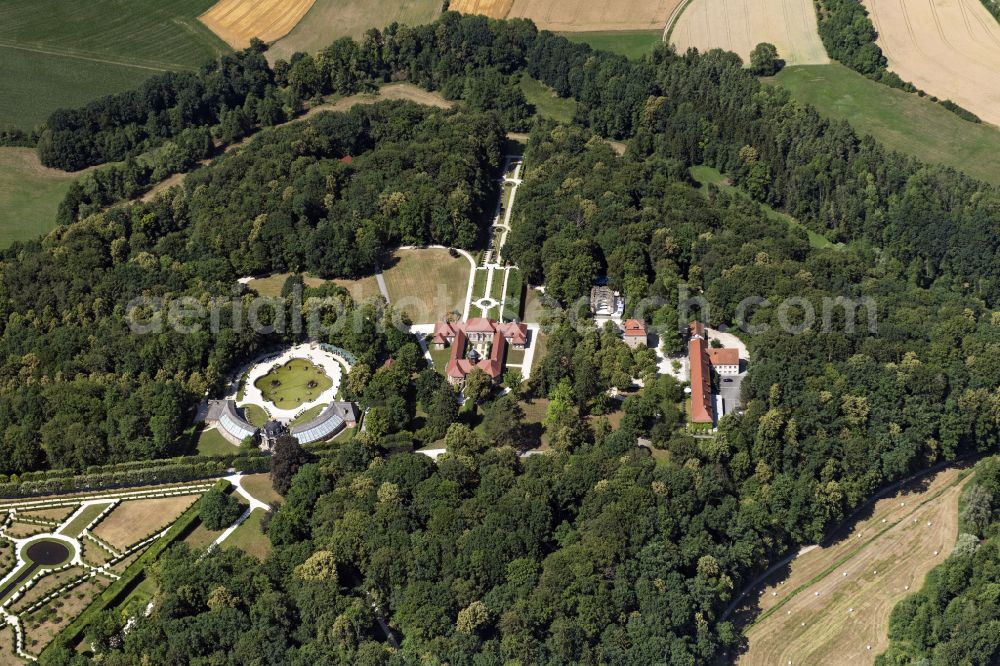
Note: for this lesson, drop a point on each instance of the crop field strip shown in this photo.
(60, 54)
(739, 25)
(327, 20)
(949, 48)
(143, 33)
(237, 21)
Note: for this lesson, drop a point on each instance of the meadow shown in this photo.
(547, 104)
(633, 44)
(427, 284)
(900, 120)
(59, 54)
(29, 195)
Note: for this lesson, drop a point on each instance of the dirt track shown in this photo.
(739, 25)
(880, 559)
(949, 48)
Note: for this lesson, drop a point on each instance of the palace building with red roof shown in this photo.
(478, 334)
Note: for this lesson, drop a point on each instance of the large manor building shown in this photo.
(478, 343)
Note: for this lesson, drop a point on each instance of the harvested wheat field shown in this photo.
(834, 606)
(236, 21)
(492, 8)
(739, 25)
(949, 48)
(584, 15)
(131, 522)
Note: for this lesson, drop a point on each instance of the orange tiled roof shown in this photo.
(635, 328)
(725, 356)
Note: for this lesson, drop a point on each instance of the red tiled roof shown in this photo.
(701, 382)
(696, 328)
(635, 328)
(347, 159)
(479, 325)
(443, 331)
(518, 333)
(458, 367)
(726, 356)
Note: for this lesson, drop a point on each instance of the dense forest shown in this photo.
(598, 552)
(955, 618)
(76, 380)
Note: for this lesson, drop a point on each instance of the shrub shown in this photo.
(218, 510)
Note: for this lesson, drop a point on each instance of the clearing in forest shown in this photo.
(950, 48)
(834, 606)
(739, 25)
(237, 21)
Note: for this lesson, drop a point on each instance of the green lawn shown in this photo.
(29, 193)
(632, 44)
(902, 121)
(479, 284)
(260, 487)
(307, 415)
(441, 357)
(294, 383)
(496, 289)
(89, 512)
(547, 104)
(212, 443)
(58, 53)
(255, 415)
(706, 175)
(249, 538)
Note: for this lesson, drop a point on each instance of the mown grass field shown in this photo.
(901, 121)
(632, 44)
(427, 284)
(327, 20)
(834, 606)
(29, 195)
(56, 53)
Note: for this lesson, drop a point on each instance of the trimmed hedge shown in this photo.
(112, 595)
(138, 473)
